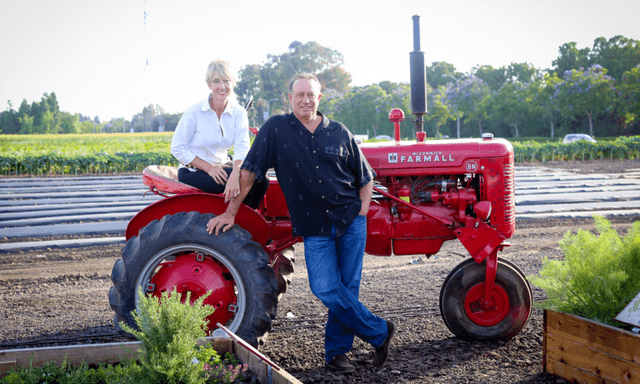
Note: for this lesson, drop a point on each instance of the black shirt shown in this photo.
(320, 174)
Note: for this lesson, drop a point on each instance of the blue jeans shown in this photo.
(334, 265)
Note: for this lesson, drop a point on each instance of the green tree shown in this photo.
(618, 54)
(521, 72)
(26, 125)
(587, 92)
(438, 72)
(69, 123)
(476, 100)
(49, 123)
(250, 84)
(493, 77)
(510, 104)
(25, 108)
(270, 81)
(570, 57)
(335, 78)
(454, 97)
(38, 111)
(86, 126)
(362, 109)
(542, 89)
(9, 123)
(439, 112)
(52, 102)
(398, 95)
(628, 100)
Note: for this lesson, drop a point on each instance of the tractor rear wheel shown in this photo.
(177, 252)
(462, 295)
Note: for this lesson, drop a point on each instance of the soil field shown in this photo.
(58, 297)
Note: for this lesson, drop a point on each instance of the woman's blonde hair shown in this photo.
(221, 69)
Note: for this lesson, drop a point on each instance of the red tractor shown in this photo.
(425, 193)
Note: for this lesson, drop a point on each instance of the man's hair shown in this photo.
(221, 69)
(305, 76)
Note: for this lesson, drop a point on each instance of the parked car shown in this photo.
(572, 137)
(384, 138)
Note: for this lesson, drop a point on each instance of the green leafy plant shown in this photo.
(64, 374)
(169, 331)
(598, 276)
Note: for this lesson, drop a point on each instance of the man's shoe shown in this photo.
(340, 364)
(381, 354)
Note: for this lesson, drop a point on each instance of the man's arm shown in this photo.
(227, 219)
(365, 195)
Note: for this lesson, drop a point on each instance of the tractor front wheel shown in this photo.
(465, 310)
(177, 252)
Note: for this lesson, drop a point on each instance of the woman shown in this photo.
(206, 131)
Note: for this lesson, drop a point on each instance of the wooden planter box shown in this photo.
(584, 351)
(112, 352)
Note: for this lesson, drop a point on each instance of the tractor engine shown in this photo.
(427, 192)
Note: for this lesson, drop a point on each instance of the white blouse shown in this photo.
(201, 133)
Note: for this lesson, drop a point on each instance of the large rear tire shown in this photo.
(463, 290)
(176, 251)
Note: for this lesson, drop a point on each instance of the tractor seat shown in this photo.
(164, 179)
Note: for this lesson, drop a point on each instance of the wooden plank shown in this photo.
(544, 341)
(6, 366)
(74, 354)
(573, 374)
(615, 341)
(591, 360)
(261, 369)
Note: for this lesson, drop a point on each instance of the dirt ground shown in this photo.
(60, 296)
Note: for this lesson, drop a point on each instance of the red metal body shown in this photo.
(426, 194)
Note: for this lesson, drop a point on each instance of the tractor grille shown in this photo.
(509, 193)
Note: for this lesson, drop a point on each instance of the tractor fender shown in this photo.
(247, 218)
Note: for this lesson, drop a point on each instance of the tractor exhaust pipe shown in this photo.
(418, 81)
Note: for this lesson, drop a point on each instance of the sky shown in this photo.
(107, 59)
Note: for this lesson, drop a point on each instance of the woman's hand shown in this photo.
(218, 174)
(232, 189)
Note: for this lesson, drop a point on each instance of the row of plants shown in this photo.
(168, 330)
(620, 148)
(83, 154)
(61, 164)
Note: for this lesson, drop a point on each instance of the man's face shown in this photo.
(305, 98)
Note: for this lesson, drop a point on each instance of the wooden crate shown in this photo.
(113, 352)
(584, 351)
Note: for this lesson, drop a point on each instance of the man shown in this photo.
(327, 183)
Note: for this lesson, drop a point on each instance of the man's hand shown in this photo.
(224, 222)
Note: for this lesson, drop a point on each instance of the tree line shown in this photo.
(594, 90)
(45, 117)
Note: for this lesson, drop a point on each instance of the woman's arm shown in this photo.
(182, 137)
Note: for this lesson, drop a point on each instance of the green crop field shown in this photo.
(76, 154)
(109, 153)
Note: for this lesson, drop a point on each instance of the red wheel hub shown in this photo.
(198, 274)
(486, 312)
